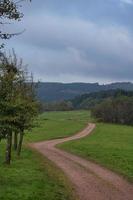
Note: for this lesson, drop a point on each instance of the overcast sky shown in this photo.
(77, 40)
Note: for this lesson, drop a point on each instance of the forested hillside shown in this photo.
(88, 101)
(85, 101)
(48, 92)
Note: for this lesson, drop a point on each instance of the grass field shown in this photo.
(52, 125)
(32, 177)
(109, 145)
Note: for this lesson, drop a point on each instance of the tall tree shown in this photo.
(28, 107)
(8, 77)
(17, 102)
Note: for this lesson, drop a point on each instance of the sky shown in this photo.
(76, 40)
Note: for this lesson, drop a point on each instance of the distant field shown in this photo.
(52, 125)
(32, 177)
(109, 145)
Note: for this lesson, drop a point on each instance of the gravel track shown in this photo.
(90, 180)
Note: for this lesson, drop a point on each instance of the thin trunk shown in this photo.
(8, 148)
(20, 143)
(15, 141)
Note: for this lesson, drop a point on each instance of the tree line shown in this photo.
(56, 106)
(88, 101)
(117, 110)
(18, 105)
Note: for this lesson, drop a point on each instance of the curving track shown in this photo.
(91, 181)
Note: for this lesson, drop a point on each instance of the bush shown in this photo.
(117, 110)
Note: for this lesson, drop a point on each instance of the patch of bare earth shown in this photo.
(91, 181)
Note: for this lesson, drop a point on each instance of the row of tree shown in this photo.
(115, 110)
(56, 106)
(18, 105)
(88, 101)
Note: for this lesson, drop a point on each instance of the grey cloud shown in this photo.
(72, 46)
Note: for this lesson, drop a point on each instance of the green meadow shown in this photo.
(33, 177)
(51, 125)
(109, 145)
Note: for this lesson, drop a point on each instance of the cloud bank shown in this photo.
(75, 47)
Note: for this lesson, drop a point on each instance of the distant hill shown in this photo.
(48, 92)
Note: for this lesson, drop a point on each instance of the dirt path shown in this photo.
(91, 181)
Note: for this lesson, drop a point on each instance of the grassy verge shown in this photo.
(32, 177)
(109, 145)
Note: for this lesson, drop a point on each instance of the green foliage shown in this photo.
(18, 105)
(117, 110)
(109, 145)
(53, 92)
(57, 106)
(88, 101)
(8, 79)
(17, 102)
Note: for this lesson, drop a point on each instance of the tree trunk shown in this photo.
(15, 141)
(20, 143)
(8, 148)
